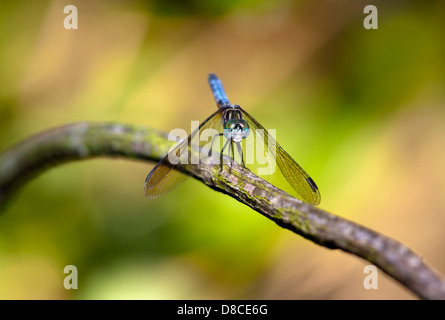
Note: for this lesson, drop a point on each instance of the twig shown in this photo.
(87, 140)
(76, 141)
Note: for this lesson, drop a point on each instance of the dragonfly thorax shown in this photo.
(236, 129)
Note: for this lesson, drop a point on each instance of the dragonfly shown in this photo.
(226, 137)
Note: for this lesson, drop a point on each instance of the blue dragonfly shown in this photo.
(230, 135)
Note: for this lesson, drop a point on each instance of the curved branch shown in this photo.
(76, 141)
(86, 140)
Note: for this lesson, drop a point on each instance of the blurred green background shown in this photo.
(361, 110)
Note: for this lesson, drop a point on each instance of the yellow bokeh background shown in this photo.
(361, 110)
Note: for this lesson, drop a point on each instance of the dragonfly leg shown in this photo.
(240, 151)
(211, 146)
(221, 156)
(231, 154)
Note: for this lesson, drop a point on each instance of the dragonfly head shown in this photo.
(236, 129)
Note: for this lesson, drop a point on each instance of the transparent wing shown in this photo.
(166, 175)
(275, 156)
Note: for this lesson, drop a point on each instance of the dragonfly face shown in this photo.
(233, 124)
(235, 128)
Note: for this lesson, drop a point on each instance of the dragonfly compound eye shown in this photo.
(236, 129)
